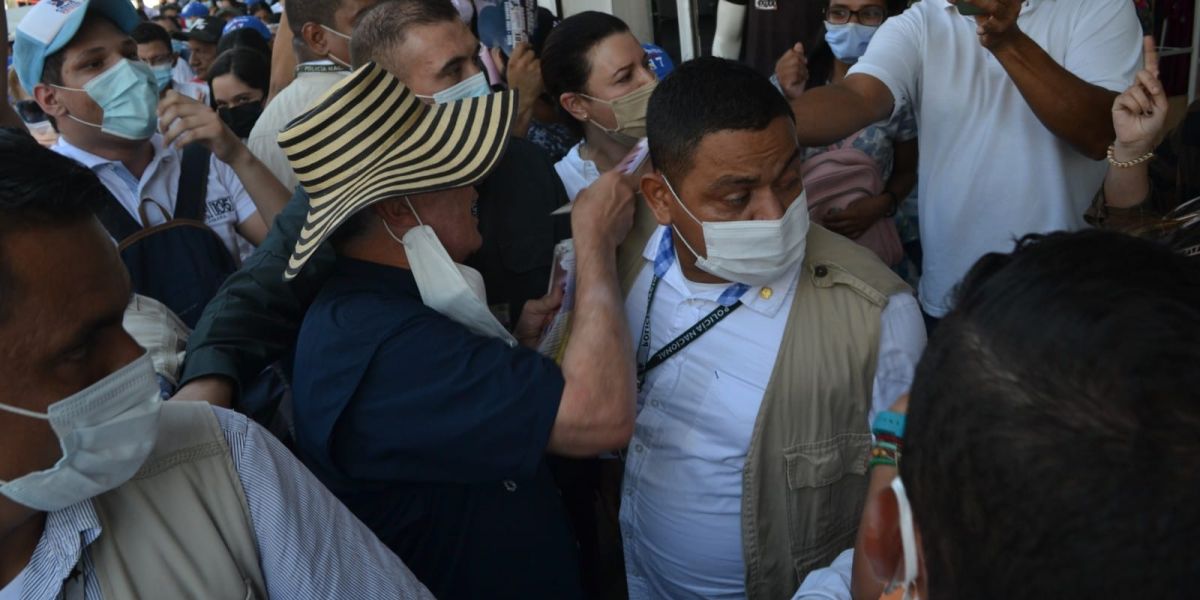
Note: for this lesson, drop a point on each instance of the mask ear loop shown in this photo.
(684, 207)
(908, 539)
(388, 228)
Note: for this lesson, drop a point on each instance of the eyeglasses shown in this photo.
(870, 15)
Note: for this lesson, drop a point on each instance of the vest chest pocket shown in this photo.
(827, 485)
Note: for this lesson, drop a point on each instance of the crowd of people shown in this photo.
(355, 299)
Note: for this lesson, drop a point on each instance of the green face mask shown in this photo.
(630, 112)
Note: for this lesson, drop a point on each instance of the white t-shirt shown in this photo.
(990, 171)
(227, 203)
(13, 590)
(576, 172)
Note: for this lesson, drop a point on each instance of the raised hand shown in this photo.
(1140, 113)
(792, 71)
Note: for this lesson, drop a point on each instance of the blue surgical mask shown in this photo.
(162, 76)
(849, 41)
(128, 94)
(474, 86)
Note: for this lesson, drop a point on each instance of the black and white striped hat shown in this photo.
(371, 139)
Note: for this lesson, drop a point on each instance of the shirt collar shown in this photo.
(375, 276)
(766, 300)
(66, 534)
(94, 162)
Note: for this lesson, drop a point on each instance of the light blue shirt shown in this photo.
(309, 545)
(682, 502)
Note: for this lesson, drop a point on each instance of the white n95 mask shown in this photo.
(106, 431)
(755, 253)
(453, 290)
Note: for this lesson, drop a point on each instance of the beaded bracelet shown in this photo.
(884, 457)
(1128, 163)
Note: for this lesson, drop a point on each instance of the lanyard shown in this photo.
(678, 344)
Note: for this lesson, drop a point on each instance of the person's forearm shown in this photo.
(1072, 109)
(833, 112)
(524, 118)
(255, 316)
(1130, 186)
(598, 367)
(283, 58)
(264, 188)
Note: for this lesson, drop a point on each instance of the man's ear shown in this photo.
(396, 213)
(47, 98)
(658, 196)
(315, 38)
(575, 104)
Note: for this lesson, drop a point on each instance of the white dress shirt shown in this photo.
(682, 504)
(227, 204)
(990, 171)
(297, 97)
(309, 544)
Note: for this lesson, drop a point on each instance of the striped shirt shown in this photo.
(341, 558)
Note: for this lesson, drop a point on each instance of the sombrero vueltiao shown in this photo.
(370, 139)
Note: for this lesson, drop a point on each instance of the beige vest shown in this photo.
(181, 527)
(805, 477)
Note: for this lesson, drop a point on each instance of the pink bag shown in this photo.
(835, 179)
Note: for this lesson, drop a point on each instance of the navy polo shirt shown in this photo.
(434, 436)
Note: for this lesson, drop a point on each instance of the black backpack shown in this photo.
(181, 262)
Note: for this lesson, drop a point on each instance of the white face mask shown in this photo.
(456, 291)
(755, 253)
(106, 431)
(475, 86)
(908, 539)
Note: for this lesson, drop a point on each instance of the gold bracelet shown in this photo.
(1128, 163)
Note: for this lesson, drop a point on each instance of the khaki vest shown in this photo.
(181, 527)
(805, 477)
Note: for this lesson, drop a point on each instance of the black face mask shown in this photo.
(241, 119)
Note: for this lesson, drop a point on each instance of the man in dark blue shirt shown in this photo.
(431, 425)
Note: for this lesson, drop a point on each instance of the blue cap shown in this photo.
(660, 61)
(51, 24)
(194, 9)
(247, 23)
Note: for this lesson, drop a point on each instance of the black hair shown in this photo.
(1054, 425)
(300, 12)
(248, 65)
(39, 188)
(704, 96)
(147, 32)
(244, 38)
(564, 56)
(383, 27)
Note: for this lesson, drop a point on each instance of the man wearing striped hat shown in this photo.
(413, 404)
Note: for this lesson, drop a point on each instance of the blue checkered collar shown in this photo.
(660, 251)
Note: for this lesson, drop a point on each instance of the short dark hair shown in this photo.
(564, 56)
(147, 33)
(38, 188)
(383, 27)
(704, 96)
(248, 65)
(244, 38)
(1053, 426)
(300, 12)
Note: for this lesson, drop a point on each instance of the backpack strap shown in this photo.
(193, 183)
(116, 220)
